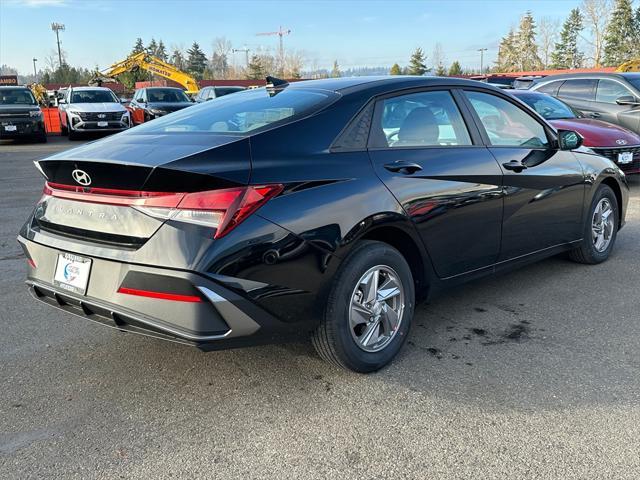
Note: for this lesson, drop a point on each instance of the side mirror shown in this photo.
(61, 100)
(627, 100)
(569, 140)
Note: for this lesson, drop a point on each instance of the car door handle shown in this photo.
(595, 115)
(403, 167)
(515, 166)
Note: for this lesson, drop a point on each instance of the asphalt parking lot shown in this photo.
(533, 374)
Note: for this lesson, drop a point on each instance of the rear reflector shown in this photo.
(159, 295)
(220, 209)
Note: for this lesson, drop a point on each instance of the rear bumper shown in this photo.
(222, 319)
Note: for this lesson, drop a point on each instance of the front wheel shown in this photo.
(601, 228)
(369, 309)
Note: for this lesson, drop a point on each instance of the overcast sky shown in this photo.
(356, 33)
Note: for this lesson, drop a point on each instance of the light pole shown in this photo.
(35, 73)
(482, 50)
(57, 27)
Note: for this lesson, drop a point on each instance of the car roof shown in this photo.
(565, 76)
(6, 87)
(84, 89)
(161, 88)
(351, 84)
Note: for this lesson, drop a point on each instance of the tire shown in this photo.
(341, 338)
(591, 251)
(73, 135)
(42, 138)
(64, 130)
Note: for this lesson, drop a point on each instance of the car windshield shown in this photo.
(549, 107)
(16, 96)
(169, 95)
(633, 79)
(243, 112)
(93, 96)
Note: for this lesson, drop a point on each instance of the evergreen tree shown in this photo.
(255, 69)
(152, 48)
(455, 68)
(417, 64)
(526, 47)
(507, 54)
(196, 61)
(566, 53)
(161, 51)
(335, 71)
(620, 43)
(138, 47)
(441, 70)
(177, 59)
(395, 70)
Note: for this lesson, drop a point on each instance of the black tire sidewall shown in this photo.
(604, 191)
(337, 313)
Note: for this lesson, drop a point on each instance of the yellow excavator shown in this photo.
(41, 94)
(630, 66)
(151, 64)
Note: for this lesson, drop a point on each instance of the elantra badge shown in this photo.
(621, 141)
(81, 177)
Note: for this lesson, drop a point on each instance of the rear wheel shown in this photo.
(63, 128)
(369, 309)
(601, 228)
(42, 138)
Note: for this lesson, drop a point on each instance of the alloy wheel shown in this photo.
(602, 225)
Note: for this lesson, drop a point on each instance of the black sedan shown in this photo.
(153, 102)
(323, 208)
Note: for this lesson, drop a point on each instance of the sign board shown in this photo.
(8, 80)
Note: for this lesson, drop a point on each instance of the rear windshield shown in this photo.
(243, 112)
(93, 96)
(168, 95)
(16, 96)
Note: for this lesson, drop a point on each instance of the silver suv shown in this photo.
(91, 109)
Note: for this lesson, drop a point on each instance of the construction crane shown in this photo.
(281, 33)
(151, 64)
(630, 66)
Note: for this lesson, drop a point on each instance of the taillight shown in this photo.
(220, 209)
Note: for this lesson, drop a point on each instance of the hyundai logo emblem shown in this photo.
(81, 177)
(621, 141)
(101, 115)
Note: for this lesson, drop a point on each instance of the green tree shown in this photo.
(196, 61)
(335, 71)
(161, 51)
(255, 69)
(152, 48)
(441, 70)
(417, 65)
(566, 53)
(138, 47)
(526, 46)
(507, 53)
(177, 59)
(455, 68)
(620, 43)
(395, 70)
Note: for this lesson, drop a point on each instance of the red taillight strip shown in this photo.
(31, 262)
(159, 295)
(114, 197)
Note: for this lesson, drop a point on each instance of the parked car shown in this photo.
(90, 110)
(324, 208)
(153, 102)
(20, 115)
(209, 93)
(606, 139)
(612, 97)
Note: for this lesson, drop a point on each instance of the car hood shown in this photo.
(18, 108)
(96, 107)
(170, 106)
(597, 133)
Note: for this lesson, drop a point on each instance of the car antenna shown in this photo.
(275, 85)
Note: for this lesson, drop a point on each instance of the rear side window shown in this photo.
(551, 88)
(578, 89)
(424, 119)
(609, 91)
(243, 112)
(506, 124)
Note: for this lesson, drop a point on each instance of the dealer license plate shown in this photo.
(10, 128)
(625, 157)
(72, 273)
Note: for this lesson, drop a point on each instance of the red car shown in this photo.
(609, 140)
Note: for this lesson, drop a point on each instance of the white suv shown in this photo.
(91, 109)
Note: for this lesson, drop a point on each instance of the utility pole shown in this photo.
(482, 50)
(58, 27)
(246, 54)
(281, 33)
(35, 72)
